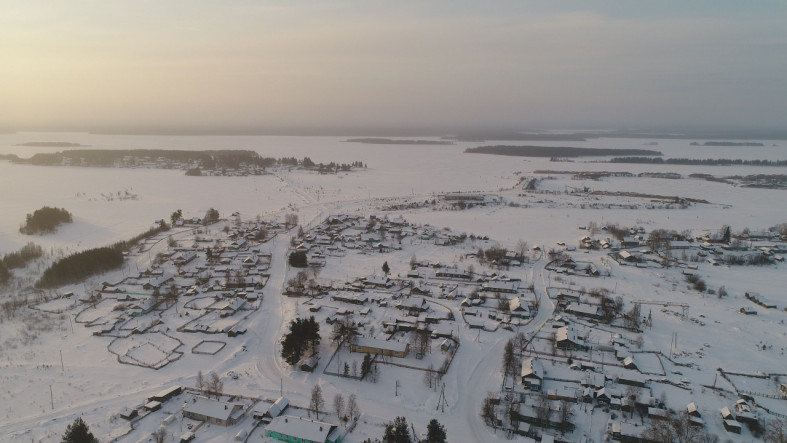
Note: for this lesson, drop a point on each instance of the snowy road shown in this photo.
(479, 371)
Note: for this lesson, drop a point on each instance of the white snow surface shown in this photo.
(40, 397)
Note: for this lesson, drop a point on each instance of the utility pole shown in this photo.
(396, 389)
(52, 397)
(62, 367)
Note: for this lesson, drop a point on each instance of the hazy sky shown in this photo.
(391, 64)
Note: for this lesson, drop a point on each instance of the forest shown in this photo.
(556, 151)
(45, 220)
(77, 267)
(697, 161)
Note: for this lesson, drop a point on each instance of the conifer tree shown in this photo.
(435, 432)
(78, 432)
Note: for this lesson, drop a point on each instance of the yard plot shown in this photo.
(149, 350)
(210, 347)
(648, 363)
(212, 323)
(103, 313)
(140, 324)
(200, 303)
(756, 384)
(56, 306)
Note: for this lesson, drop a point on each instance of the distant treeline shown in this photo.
(109, 157)
(308, 163)
(391, 141)
(202, 160)
(45, 220)
(727, 144)
(516, 136)
(81, 265)
(52, 145)
(697, 161)
(555, 151)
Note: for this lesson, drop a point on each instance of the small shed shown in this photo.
(152, 405)
(732, 425)
(129, 413)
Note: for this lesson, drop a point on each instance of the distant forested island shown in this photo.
(556, 151)
(522, 137)
(139, 157)
(698, 161)
(45, 220)
(391, 141)
(209, 162)
(727, 144)
(52, 145)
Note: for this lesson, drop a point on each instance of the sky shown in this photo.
(391, 65)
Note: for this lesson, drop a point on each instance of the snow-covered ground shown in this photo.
(41, 395)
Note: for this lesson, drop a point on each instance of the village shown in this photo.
(581, 350)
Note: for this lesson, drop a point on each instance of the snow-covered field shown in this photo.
(49, 375)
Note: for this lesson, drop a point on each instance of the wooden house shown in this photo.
(213, 411)
(380, 347)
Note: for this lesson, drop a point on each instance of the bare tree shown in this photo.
(521, 247)
(374, 373)
(631, 395)
(315, 268)
(172, 295)
(430, 378)
(565, 411)
(509, 361)
(677, 428)
(214, 385)
(338, 405)
(488, 412)
(344, 330)
(520, 341)
(317, 400)
(776, 431)
(503, 305)
(200, 381)
(290, 220)
(421, 342)
(352, 407)
(160, 435)
(542, 409)
(632, 318)
(513, 415)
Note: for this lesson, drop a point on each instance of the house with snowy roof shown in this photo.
(532, 374)
(568, 338)
(519, 309)
(213, 411)
(380, 347)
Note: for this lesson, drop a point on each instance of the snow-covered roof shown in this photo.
(211, 408)
(532, 368)
(381, 344)
(278, 407)
(301, 428)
